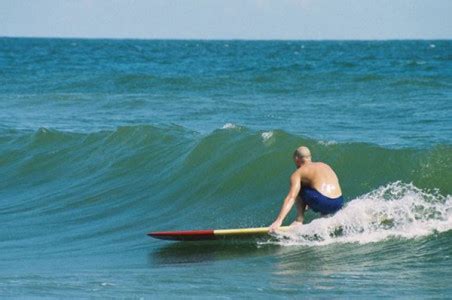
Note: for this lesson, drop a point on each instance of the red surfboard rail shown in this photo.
(184, 235)
(199, 235)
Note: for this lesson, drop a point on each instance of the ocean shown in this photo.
(103, 141)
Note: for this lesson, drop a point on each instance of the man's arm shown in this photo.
(295, 185)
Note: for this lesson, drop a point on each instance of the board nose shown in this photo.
(183, 235)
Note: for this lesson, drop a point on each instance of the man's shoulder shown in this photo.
(297, 174)
(314, 166)
(320, 164)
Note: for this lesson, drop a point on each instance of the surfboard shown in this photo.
(212, 234)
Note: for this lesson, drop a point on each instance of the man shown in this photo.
(314, 185)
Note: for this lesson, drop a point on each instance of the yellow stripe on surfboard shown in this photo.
(245, 231)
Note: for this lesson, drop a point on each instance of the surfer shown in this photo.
(314, 185)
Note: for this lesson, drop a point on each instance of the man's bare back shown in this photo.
(321, 177)
(314, 185)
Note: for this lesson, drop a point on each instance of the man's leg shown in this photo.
(301, 208)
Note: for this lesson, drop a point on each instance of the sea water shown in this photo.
(102, 141)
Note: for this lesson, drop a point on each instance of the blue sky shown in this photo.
(228, 19)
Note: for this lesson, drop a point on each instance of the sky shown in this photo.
(228, 19)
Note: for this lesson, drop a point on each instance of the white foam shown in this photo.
(267, 135)
(432, 45)
(229, 126)
(327, 143)
(397, 210)
(107, 284)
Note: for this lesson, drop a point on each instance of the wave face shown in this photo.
(114, 182)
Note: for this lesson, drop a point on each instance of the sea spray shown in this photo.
(396, 210)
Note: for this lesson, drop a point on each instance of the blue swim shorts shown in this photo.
(320, 203)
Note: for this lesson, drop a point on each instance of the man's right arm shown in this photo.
(295, 185)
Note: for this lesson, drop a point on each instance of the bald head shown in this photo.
(302, 153)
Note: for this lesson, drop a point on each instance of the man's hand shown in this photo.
(273, 227)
